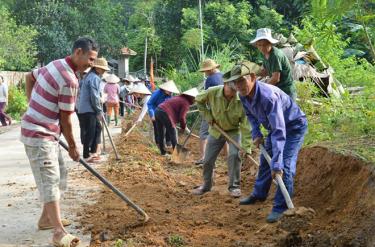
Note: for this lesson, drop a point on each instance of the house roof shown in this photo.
(128, 51)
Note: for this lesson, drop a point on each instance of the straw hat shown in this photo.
(111, 78)
(193, 92)
(264, 33)
(209, 64)
(101, 63)
(170, 86)
(140, 88)
(239, 70)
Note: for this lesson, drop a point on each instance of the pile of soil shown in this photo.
(335, 195)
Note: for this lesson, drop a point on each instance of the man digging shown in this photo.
(286, 125)
(52, 91)
(221, 105)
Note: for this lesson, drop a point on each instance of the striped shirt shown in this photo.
(55, 90)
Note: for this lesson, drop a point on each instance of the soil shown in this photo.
(334, 195)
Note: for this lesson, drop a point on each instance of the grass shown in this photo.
(176, 240)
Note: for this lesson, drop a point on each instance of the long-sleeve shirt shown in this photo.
(156, 99)
(144, 108)
(176, 109)
(213, 80)
(229, 115)
(3, 92)
(277, 112)
(89, 94)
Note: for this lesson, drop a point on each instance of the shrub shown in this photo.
(17, 102)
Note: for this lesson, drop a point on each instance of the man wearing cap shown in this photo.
(214, 78)
(90, 110)
(171, 112)
(52, 91)
(159, 96)
(221, 106)
(286, 124)
(275, 63)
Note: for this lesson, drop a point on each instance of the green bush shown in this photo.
(17, 102)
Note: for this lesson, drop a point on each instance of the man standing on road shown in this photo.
(286, 124)
(52, 92)
(221, 106)
(214, 78)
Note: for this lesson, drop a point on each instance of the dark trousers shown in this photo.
(122, 106)
(90, 132)
(167, 137)
(3, 115)
(164, 127)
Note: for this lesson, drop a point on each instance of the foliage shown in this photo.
(176, 240)
(17, 47)
(60, 23)
(17, 102)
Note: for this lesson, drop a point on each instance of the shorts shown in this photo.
(49, 170)
(203, 131)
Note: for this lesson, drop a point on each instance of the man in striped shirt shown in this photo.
(52, 91)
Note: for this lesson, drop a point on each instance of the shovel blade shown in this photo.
(179, 154)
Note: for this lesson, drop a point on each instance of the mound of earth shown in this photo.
(335, 195)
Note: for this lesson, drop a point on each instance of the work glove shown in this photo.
(257, 141)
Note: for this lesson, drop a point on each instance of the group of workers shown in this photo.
(234, 103)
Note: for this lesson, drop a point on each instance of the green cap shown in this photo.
(241, 69)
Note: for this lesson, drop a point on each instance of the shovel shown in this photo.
(110, 138)
(279, 179)
(110, 186)
(230, 139)
(180, 153)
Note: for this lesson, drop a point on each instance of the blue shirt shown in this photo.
(277, 112)
(89, 94)
(156, 99)
(213, 80)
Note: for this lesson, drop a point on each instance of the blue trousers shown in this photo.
(294, 141)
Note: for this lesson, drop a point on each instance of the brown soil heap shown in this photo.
(335, 195)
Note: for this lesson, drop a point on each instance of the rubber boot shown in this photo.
(108, 120)
(116, 120)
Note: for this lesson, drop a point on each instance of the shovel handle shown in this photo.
(110, 186)
(191, 131)
(110, 138)
(279, 179)
(130, 130)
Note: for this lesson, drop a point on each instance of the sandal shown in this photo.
(64, 222)
(67, 241)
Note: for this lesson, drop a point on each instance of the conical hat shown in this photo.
(129, 78)
(170, 86)
(111, 78)
(193, 92)
(140, 88)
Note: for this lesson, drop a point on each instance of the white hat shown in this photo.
(193, 92)
(129, 78)
(170, 86)
(140, 88)
(111, 78)
(264, 33)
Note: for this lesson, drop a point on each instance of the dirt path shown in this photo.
(19, 204)
(339, 189)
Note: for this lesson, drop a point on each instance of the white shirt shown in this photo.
(3, 92)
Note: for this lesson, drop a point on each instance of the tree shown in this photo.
(17, 47)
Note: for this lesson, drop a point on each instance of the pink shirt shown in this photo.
(112, 90)
(55, 90)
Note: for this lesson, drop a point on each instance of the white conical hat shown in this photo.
(111, 78)
(170, 86)
(140, 88)
(193, 92)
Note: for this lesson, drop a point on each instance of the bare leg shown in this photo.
(44, 220)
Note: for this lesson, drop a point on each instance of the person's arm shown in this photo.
(151, 105)
(144, 110)
(30, 82)
(202, 100)
(183, 114)
(67, 131)
(275, 117)
(94, 90)
(275, 78)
